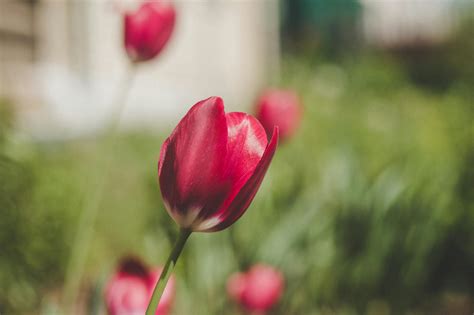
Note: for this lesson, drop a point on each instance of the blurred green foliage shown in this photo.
(369, 209)
(32, 225)
(438, 66)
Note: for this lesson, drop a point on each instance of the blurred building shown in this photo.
(17, 45)
(61, 61)
(323, 27)
(333, 27)
(393, 23)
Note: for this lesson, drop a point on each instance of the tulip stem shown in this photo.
(167, 269)
(239, 256)
(85, 227)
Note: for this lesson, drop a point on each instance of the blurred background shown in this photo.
(367, 209)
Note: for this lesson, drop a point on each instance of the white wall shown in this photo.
(398, 22)
(219, 47)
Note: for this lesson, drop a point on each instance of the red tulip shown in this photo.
(258, 289)
(148, 29)
(212, 165)
(280, 108)
(129, 290)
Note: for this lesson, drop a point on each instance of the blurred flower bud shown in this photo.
(128, 292)
(258, 289)
(280, 108)
(148, 29)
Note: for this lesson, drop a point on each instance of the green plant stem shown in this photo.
(167, 269)
(240, 257)
(85, 227)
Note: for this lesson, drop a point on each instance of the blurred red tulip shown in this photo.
(212, 165)
(258, 289)
(148, 29)
(280, 108)
(129, 290)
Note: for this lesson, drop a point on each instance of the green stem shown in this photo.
(167, 269)
(239, 256)
(85, 227)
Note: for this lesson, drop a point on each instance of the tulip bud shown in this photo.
(258, 289)
(148, 29)
(212, 165)
(280, 108)
(129, 291)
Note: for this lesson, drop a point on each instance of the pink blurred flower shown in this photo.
(148, 29)
(258, 289)
(212, 165)
(280, 108)
(128, 292)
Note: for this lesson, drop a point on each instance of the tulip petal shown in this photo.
(159, 28)
(236, 286)
(245, 146)
(148, 29)
(280, 108)
(136, 29)
(191, 163)
(164, 147)
(228, 215)
(263, 288)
